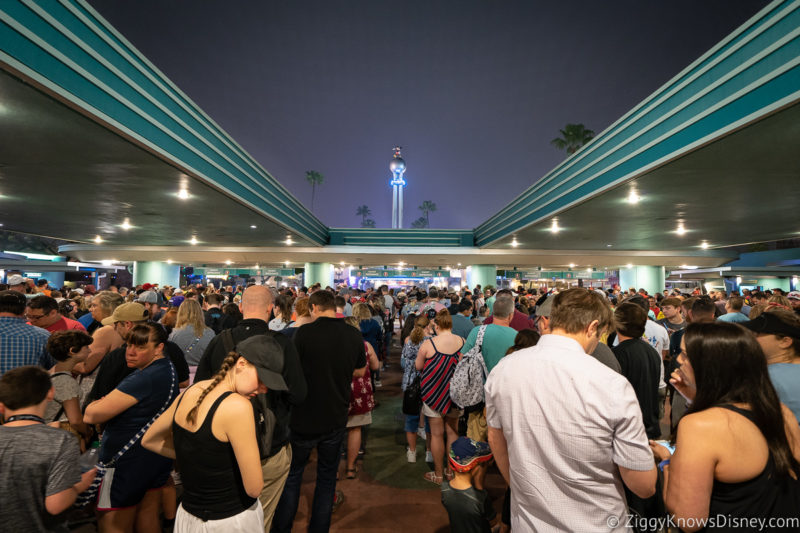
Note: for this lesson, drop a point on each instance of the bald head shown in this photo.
(257, 302)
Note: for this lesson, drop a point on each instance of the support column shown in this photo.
(649, 278)
(400, 208)
(55, 279)
(775, 283)
(156, 272)
(321, 273)
(482, 275)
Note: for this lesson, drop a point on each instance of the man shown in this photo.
(113, 368)
(639, 363)
(794, 299)
(489, 293)
(673, 319)
(149, 299)
(43, 313)
(339, 301)
(498, 336)
(543, 401)
(733, 311)
(257, 304)
(454, 301)
(462, 324)
(331, 353)
(42, 288)
(16, 283)
(20, 344)
(519, 321)
(431, 301)
(602, 352)
(214, 317)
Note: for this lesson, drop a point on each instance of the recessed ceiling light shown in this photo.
(1, 225)
(572, 265)
(169, 261)
(681, 229)
(633, 197)
(98, 239)
(629, 265)
(286, 263)
(589, 269)
(126, 224)
(554, 228)
(289, 240)
(183, 194)
(106, 262)
(609, 245)
(256, 265)
(193, 240)
(253, 226)
(515, 243)
(228, 262)
(704, 245)
(341, 263)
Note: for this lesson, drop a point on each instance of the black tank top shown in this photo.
(212, 482)
(762, 497)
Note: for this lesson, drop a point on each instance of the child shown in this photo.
(68, 348)
(469, 509)
(40, 477)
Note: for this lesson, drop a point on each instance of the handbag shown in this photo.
(90, 495)
(412, 397)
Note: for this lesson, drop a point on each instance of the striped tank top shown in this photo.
(435, 382)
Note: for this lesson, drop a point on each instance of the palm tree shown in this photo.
(573, 136)
(421, 222)
(426, 208)
(314, 178)
(368, 223)
(363, 211)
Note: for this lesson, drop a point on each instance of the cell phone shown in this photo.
(667, 445)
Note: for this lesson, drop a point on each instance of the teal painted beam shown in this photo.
(69, 51)
(400, 237)
(752, 73)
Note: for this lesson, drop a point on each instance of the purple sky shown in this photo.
(472, 90)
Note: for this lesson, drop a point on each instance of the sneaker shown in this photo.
(421, 432)
(428, 457)
(411, 455)
(338, 500)
(378, 383)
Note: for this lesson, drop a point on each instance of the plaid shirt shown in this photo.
(22, 344)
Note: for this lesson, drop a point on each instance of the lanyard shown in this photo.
(32, 418)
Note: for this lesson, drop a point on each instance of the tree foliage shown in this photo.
(573, 137)
(421, 222)
(427, 207)
(314, 178)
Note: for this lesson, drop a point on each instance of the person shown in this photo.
(274, 447)
(362, 403)
(733, 311)
(149, 299)
(499, 335)
(101, 306)
(794, 301)
(518, 319)
(213, 315)
(302, 317)
(469, 509)
(462, 324)
(408, 358)
(436, 359)
(283, 313)
(212, 436)
(524, 339)
(191, 334)
(578, 491)
(43, 313)
(778, 333)
(737, 451)
(639, 363)
(132, 494)
(673, 318)
(20, 344)
(40, 475)
(331, 353)
(67, 347)
(371, 330)
(105, 339)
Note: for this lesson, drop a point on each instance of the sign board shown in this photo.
(553, 274)
(380, 273)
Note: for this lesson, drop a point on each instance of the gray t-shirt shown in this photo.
(604, 354)
(66, 387)
(191, 345)
(36, 461)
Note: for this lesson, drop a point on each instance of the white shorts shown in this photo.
(430, 413)
(248, 521)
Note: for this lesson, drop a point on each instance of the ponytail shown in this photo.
(418, 333)
(227, 364)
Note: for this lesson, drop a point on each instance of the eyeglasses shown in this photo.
(33, 317)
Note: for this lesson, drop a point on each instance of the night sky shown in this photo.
(472, 90)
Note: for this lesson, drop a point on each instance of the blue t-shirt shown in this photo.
(462, 325)
(151, 387)
(786, 380)
(733, 317)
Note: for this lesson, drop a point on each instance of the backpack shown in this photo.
(466, 385)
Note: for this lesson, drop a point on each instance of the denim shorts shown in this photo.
(412, 423)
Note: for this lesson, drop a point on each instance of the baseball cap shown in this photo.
(771, 324)
(178, 291)
(78, 290)
(147, 286)
(266, 355)
(794, 295)
(545, 308)
(465, 454)
(177, 301)
(91, 289)
(15, 279)
(129, 312)
(147, 297)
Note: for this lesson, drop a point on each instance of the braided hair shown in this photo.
(227, 364)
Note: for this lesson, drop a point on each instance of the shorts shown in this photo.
(452, 413)
(354, 421)
(126, 484)
(477, 429)
(250, 520)
(412, 424)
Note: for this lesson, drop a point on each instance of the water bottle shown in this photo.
(90, 457)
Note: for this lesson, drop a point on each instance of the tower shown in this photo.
(398, 168)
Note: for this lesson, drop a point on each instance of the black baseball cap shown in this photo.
(771, 324)
(266, 355)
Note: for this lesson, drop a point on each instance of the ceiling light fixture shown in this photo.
(98, 239)
(183, 194)
(228, 262)
(514, 242)
(554, 228)
(286, 263)
(341, 263)
(126, 224)
(589, 269)
(704, 245)
(681, 230)
(253, 226)
(572, 265)
(629, 265)
(633, 197)
(289, 240)
(193, 240)
(169, 261)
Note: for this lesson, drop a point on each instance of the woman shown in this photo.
(408, 359)
(212, 436)
(104, 339)
(169, 319)
(778, 333)
(372, 332)
(437, 359)
(737, 448)
(233, 310)
(302, 317)
(131, 494)
(191, 334)
(283, 313)
(67, 348)
(361, 404)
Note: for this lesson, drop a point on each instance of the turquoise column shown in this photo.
(649, 278)
(482, 275)
(775, 283)
(321, 273)
(156, 272)
(56, 279)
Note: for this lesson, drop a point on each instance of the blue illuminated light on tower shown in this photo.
(398, 168)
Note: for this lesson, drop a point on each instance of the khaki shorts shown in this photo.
(430, 413)
(477, 429)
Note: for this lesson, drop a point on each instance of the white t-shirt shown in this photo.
(569, 422)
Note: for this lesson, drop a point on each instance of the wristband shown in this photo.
(662, 464)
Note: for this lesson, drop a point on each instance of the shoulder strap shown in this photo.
(191, 346)
(748, 414)
(227, 341)
(481, 333)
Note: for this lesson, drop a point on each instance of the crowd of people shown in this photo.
(602, 410)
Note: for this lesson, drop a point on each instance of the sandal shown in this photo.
(432, 477)
(448, 474)
(351, 473)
